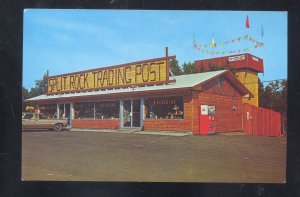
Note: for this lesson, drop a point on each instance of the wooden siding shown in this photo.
(96, 124)
(229, 109)
(215, 87)
(250, 81)
(260, 121)
(228, 104)
(167, 125)
(227, 118)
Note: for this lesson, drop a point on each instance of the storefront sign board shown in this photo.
(138, 73)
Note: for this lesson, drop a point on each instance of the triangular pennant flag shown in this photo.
(213, 40)
(262, 31)
(247, 22)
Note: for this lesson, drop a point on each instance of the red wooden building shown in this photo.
(256, 120)
(143, 95)
(245, 66)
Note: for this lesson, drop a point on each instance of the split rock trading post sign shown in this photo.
(146, 72)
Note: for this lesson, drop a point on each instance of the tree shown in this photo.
(175, 68)
(39, 89)
(274, 97)
(25, 93)
(42, 84)
(283, 94)
(261, 94)
(188, 68)
(214, 67)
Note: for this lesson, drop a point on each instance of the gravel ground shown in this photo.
(100, 156)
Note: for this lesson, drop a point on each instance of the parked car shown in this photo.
(31, 121)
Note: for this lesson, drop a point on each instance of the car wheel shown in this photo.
(57, 127)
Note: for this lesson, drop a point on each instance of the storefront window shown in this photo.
(164, 108)
(107, 110)
(50, 110)
(84, 110)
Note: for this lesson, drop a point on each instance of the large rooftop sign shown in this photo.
(154, 71)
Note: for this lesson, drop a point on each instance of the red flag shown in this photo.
(247, 22)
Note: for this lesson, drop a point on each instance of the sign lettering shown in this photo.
(103, 78)
(236, 58)
(255, 59)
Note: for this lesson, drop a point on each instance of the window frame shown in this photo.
(171, 113)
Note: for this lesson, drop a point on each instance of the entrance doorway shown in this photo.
(132, 113)
(64, 111)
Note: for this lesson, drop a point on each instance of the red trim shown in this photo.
(256, 66)
(117, 96)
(234, 81)
(228, 56)
(114, 87)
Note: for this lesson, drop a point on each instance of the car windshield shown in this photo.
(28, 116)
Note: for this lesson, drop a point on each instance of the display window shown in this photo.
(97, 110)
(107, 109)
(164, 108)
(84, 110)
(49, 110)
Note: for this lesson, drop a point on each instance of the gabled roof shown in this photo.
(182, 82)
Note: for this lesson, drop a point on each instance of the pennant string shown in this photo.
(214, 45)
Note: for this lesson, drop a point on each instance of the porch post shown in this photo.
(57, 110)
(121, 113)
(71, 116)
(131, 112)
(142, 116)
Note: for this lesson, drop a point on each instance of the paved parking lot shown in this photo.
(95, 156)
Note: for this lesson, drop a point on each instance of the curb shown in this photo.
(165, 133)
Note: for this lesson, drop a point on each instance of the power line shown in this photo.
(266, 81)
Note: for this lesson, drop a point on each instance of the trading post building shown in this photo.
(146, 95)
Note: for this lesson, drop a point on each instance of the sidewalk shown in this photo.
(135, 131)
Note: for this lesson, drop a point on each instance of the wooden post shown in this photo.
(167, 62)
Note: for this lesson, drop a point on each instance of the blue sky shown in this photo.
(64, 41)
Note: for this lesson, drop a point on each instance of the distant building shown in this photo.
(246, 66)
